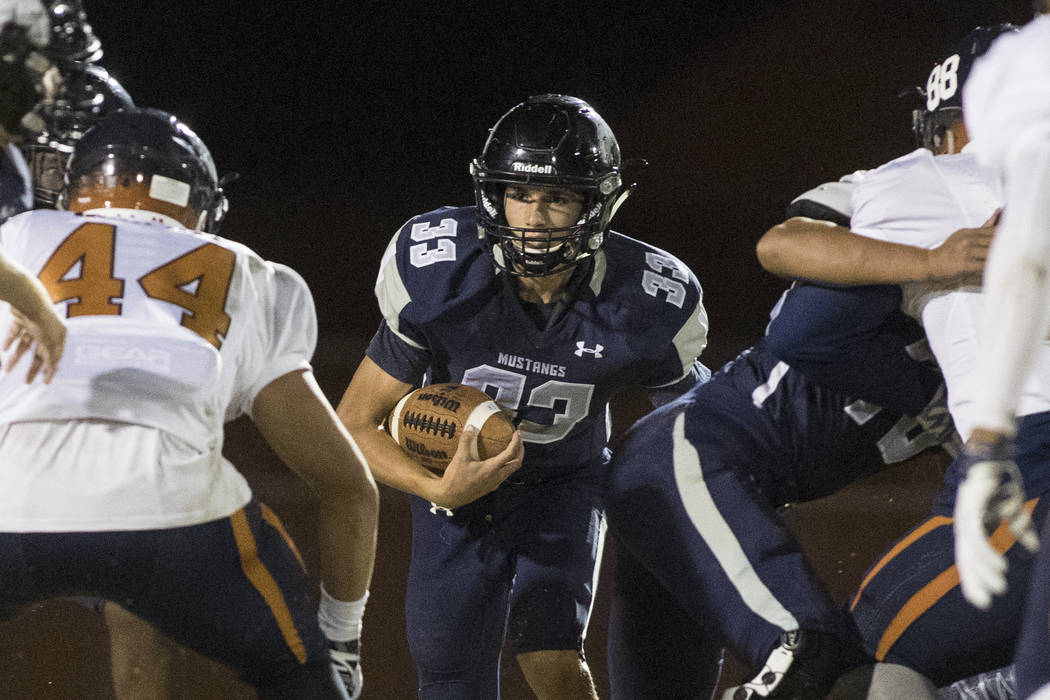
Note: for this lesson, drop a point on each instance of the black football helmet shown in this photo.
(72, 39)
(145, 159)
(86, 94)
(548, 140)
(943, 91)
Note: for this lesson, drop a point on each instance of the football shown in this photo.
(428, 423)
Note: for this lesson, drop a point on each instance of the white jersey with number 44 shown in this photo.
(171, 333)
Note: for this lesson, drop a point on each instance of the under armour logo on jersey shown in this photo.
(581, 348)
(435, 509)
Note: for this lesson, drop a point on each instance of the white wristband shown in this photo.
(340, 620)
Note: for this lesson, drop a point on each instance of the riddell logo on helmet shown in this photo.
(533, 168)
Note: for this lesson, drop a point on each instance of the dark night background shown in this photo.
(345, 119)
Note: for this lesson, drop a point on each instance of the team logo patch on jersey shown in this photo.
(582, 349)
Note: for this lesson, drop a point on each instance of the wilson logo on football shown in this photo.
(418, 448)
(441, 401)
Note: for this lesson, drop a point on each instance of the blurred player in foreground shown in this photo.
(529, 297)
(54, 90)
(115, 482)
(1007, 103)
(910, 608)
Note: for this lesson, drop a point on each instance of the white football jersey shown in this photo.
(171, 333)
(1006, 99)
(920, 200)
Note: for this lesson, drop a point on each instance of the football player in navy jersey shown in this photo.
(703, 559)
(529, 296)
(911, 608)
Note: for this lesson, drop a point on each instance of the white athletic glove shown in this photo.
(991, 493)
(346, 661)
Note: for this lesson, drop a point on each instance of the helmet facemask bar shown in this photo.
(538, 252)
(930, 128)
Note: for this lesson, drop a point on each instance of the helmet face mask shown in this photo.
(85, 96)
(549, 142)
(148, 160)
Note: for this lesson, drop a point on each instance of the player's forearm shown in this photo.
(348, 509)
(347, 527)
(303, 429)
(23, 291)
(390, 465)
(802, 248)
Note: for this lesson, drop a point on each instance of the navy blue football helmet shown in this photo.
(86, 94)
(548, 140)
(943, 91)
(145, 159)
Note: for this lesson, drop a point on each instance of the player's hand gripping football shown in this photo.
(466, 479)
(991, 492)
(46, 335)
(961, 258)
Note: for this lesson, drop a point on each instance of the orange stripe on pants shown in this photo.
(264, 583)
(931, 524)
(271, 517)
(927, 596)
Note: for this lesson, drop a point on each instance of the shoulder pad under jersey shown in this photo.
(434, 262)
(828, 202)
(661, 292)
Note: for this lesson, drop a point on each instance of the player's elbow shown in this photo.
(770, 249)
(363, 496)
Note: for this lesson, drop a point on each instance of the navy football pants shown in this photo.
(518, 563)
(909, 607)
(232, 589)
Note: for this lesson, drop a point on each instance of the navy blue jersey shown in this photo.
(855, 340)
(450, 315)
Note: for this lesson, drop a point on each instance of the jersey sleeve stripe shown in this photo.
(392, 293)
